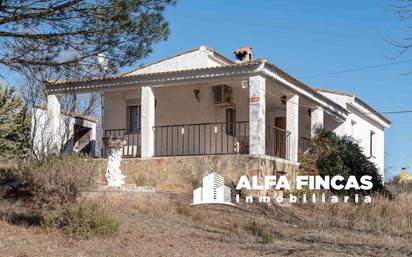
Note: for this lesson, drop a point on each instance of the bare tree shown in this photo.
(403, 9)
(35, 97)
(49, 40)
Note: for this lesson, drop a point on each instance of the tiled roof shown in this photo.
(360, 101)
(68, 82)
(232, 64)
(176, 55)
(257, 61)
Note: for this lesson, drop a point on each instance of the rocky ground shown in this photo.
(163, 224)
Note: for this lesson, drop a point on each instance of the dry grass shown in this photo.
(82, 220)
(383, 216)
(163, 224)
(59, 180)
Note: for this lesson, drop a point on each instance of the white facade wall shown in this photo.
(175, 105)
(359, 126)
(360, 129)
(178, 106)
(41, 133)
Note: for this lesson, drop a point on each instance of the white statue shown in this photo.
(114, 175)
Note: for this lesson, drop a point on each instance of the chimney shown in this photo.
(243, 54)
(403, 173)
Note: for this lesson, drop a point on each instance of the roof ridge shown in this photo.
(245, 63)
(332, 90)
(200, 48)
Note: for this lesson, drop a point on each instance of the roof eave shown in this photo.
(153, 79)
(372, 111)
(329, 105)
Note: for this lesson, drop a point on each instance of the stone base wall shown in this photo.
(185, 173)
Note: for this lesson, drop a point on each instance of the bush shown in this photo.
(11, 180)
(333, 155)
(83, 220)
(257, 230)
(15, 124)
(60, 180)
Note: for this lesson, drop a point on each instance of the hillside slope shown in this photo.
(163, 224)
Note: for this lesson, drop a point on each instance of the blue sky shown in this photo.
(308, 37)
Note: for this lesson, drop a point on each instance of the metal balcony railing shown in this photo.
(202, 139)
(132, 148)
(277, 142)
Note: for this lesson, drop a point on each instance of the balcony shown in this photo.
(132, 148)
(277, 142)
(204, 139)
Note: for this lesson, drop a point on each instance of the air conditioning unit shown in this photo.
(222, 95)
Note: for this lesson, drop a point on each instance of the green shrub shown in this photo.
(83, 220)
(60, 180)
(332, 155)
(266, 238)
(257, 230)
(14, 124)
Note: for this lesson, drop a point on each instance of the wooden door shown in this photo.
(280, 122)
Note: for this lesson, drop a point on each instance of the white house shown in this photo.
(200, 102)
(76, 133)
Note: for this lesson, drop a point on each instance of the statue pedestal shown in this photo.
(114, 175)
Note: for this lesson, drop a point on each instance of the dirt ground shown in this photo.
(163, 224)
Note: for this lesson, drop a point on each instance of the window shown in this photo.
(371, 143)
(230, 122)
(133, 118)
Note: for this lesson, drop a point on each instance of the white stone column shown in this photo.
(292, 125)
(257, 109)
(316, 121)
(93, 140)
(147, 122)
(54, 138)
